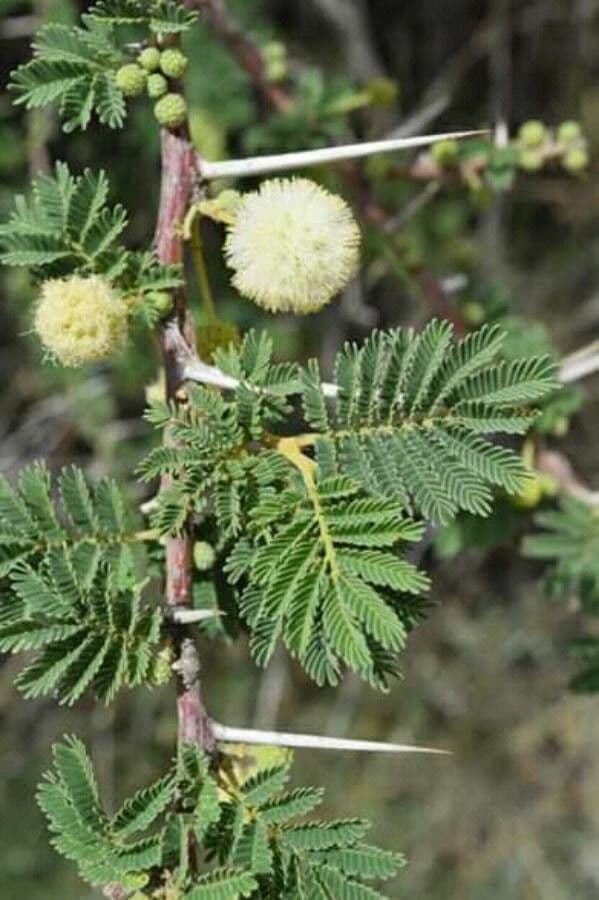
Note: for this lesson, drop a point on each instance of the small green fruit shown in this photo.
(203, 556)
(549, 485)
(274, 54)
(576, 159)
(276, 70)
(131, 79)
(532, 134)
(530, 160)
(149, 59)
(157, 86)
(382, 91)
(173, 63)
(274, 50)
(445, 152)
(530, 495)
(473, 312)
(161, 301)
(171, 110)
(569, 132)
(561, 426)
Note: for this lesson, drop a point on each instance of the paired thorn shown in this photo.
(227, 734)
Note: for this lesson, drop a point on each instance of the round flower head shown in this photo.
(80, 320)
(293, 246)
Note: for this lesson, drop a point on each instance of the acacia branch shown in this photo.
(177, 342)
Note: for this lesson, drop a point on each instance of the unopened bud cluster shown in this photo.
(153, 72)
(536, 143)
(534, 146)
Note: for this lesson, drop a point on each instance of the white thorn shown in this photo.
(580, 364)
(196, 370)
(282, 162)
(312, 741)
(189, 616)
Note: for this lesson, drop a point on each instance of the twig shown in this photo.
(283, 162)
(556, 465)
(19, 27)
(248, 54)
(412, 208)
(579, 364)
(351, 21)
(228, 734)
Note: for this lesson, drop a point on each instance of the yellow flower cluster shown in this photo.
(293, 246)
(81, 320)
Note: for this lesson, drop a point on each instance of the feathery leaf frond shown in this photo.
(411, 410)
(75, 68)
(67, 227)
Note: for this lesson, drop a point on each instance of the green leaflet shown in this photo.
(67, 227)
(411, 410)
(160, 16)
(249, 831)
(570, 542)
(312, 529)
(94, 523)
(73, 67)
(93, 634)
(313, 580)
(80, 828)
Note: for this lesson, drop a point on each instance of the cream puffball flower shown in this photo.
(80, 320)
(293, 246)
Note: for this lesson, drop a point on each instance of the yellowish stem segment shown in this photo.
(201, 269)
(291, 449)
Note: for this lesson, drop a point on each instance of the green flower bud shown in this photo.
(382, 91)
(561, 426)
(473, 312)
(532, 134)
(445, 152)
(275, 70)
(576, 159)
(549, 485)
(161, 301)
(173, 63)
(157, 86)
(530, 160)
(131, 80)
(569, 132)
(530, 495)
(274, 50)
(171, 110)
(149, 59)
(203, 556)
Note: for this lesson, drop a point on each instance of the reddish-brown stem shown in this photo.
(177, 342)
(248, 55)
